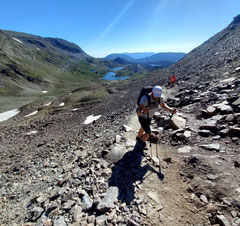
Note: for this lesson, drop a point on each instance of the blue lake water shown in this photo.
(111, 75)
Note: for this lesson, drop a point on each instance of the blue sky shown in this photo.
(101, 27)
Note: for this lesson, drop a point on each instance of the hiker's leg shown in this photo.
(140, 132)
(145, 137)
(147, 130)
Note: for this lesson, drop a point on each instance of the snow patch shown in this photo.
(75, 109)
(228, 80)
(8, 114)
(33, 113)
(45, 91)
(62, 104)
(91, 119)
(32, 132)
(17, 40)
(237, 69)
(47, 104)
(38, 49)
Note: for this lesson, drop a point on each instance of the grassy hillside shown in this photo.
(30, 64)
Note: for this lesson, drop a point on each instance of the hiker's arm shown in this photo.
(165, 107)
(142, 110)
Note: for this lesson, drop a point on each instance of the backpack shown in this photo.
(144, 92)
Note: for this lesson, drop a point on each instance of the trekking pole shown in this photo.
(151, 152)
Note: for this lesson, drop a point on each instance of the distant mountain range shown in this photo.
(166, 58)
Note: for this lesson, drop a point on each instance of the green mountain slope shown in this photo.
(31, 63)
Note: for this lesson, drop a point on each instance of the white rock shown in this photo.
(127, 128)
(32, 132)
(185, 149)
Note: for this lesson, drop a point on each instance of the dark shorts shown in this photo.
(145, 123)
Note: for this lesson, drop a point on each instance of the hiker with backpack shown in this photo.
(148, 102)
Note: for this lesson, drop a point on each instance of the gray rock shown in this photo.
(59, 222)
(116, 153)
(212, 127)
(236, 102)
(204, 199)
(87, 202)
(229, 118)
(185, 149)
(43, 220)
(77, 215)
(101, 220)
(177, 122)
(187, 134)
(211, 111)
(91, 219)
(224, 132)
(211, 147)
(224, 107)
(234, 131)
(204, 133)
(222, 220)
(108, 201)
(127, 128)
(212, 176)
(68, 205)
(36, 212)
(118, 138)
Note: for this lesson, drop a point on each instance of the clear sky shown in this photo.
(101, 27)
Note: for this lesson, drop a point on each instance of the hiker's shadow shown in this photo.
(127, 171)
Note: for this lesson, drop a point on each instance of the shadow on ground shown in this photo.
(127, 171)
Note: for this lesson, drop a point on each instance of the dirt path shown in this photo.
(169, 195)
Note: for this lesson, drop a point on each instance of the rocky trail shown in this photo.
(74, 174)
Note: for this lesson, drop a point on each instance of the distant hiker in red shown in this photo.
(173, 79)
(148, 103)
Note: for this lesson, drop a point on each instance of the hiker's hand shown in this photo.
(174, 111)
(146, 110)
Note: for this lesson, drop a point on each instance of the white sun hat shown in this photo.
(157, 91)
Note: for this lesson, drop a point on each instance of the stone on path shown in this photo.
(177, 122)
(127, 128)
(204, 199)
(107, 202)
(222, 220)
(116, 153)
(185, 149)
(211, 147)
(60, 222)
(212, 176)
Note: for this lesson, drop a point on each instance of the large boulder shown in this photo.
(177, 122)
(116, 153)
(107, 202)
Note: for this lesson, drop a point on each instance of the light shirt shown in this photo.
(153, 105)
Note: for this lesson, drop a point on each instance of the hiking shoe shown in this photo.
(138, 139)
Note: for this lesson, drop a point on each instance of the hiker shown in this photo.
(148, 105)
(173, 79)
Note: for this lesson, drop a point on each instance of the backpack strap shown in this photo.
(149, 100)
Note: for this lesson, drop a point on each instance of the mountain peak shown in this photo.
(236, 20)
